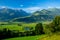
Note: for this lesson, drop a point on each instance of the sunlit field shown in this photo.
(18, 26)
(52, 37)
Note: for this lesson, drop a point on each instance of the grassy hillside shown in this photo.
(27, 38)
(52, 37)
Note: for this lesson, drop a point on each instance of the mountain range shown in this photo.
(7, 14)
(14, 15)
(42, 15)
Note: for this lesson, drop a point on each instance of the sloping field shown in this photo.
(52, 37)
(27, 38)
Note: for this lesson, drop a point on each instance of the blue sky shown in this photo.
(30, 5)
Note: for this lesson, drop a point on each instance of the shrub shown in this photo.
(55, 25)
(39, 28)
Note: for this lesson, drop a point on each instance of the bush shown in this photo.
(39, 28)
(55, 25)
(46, 29)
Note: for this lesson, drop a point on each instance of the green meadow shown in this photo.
(14, 26)
(20, 27)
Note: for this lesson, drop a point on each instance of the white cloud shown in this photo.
(2, 6)
(29, 9)
(32, 9)
(53, 7)
(50, 7)
(7, 7)
(57, 7)
(21, 5)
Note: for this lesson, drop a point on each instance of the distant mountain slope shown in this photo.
(54, 11)
(50, 11)
(43, 15)
(38, 18)
(7, 14)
